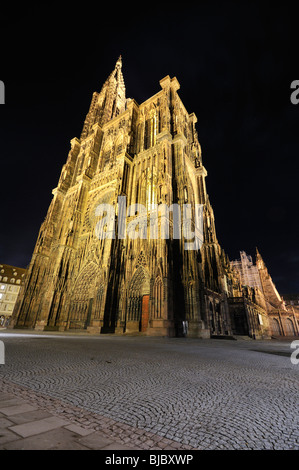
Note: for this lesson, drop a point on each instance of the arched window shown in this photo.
(147, 133)
(151, 190)
(275, 327)
(106, 155)
(150, 195)
(150, 131)
(290, 330)
(139, 140)
(119, 145)
(158, 297)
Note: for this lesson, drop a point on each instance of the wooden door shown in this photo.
(144, 313)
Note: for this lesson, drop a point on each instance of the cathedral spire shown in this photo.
(257, 254)
(119, 62)
(113, 94)
(110, 102)
(117, 75)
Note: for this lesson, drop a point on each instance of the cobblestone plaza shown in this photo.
(160, 393)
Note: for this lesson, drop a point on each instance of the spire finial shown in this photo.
(118, 62)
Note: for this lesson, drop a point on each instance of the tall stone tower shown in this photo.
(148, 154)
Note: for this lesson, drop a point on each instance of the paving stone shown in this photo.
(38, 426)
(17, 409)
(79, 430)
(5, 423)
(6, 396)
(58, 439)
(94, 441)
(29, 416)
(115, 446)
(9, 402)
(6, 436)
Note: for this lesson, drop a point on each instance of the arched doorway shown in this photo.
(275, 327)
(290, 330)
(138, 301)
(88, 289)
(211, 317)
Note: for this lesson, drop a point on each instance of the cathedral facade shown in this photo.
(148, 155)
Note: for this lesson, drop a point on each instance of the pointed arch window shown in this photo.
(106, 156)
(290, 331)
(150, 131)
(150, 196)
(158, 297)
(147, 134)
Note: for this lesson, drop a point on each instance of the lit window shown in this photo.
(2, 287)
(1, 295)
(151, 196)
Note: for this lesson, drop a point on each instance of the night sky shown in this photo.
(235, 62)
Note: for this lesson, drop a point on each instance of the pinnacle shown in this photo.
(119, 62)
(257, 254)
(257, 251)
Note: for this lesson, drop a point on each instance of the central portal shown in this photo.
(138, 302)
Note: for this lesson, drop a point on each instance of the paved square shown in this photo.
(156, 392)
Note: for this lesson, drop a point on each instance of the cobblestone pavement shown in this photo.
(159, 393)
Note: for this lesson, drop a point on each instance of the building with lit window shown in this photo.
(11, 279)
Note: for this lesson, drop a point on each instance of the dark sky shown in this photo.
(235, 62)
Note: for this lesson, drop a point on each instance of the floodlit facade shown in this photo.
(103, 262)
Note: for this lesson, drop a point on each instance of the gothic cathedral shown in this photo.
(149, 154)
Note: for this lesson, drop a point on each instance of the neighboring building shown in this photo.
(283, 313)
(149, 154)
(248, 271)
(11, 279)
